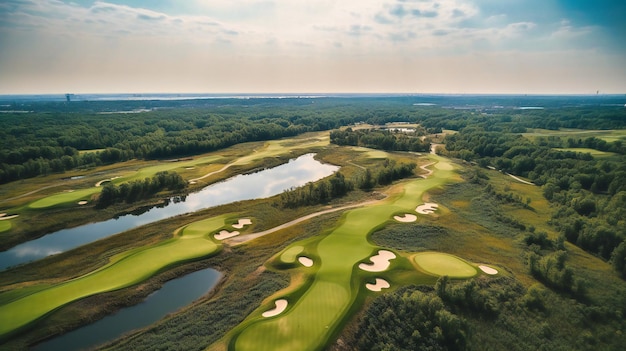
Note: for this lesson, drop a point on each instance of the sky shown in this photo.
(313, 46)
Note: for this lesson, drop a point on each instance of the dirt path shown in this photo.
(212, 173)
(245, 238)
(520, 180)
(428, 171)
(355, 165)
(31, 192)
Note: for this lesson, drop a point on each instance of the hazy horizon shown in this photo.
(535, 47)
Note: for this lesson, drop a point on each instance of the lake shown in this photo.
(262, 184)
(174, 295)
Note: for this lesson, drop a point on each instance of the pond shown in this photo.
(266, 183)
(174, 295)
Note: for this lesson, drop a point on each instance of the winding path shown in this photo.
(429, 172)
(519, 179)
(245, 238)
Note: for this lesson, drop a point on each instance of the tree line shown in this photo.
(383, 139)
(135, 190)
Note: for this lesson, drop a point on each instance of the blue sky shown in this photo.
(301, 46)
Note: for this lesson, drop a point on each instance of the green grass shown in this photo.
(270, 149)
(443, 264)
(4, 226)
(64, 198)
(309, 322)
(593, 152)
(125, 269)
(146, 172)
(609, 135)
(290, 255)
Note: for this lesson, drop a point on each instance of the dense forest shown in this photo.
(61, 137)
(385, 139)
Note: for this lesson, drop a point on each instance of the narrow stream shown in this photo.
(174, 295)
(266, 183)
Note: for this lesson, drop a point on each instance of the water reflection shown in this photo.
(262, 184)
(174, 295)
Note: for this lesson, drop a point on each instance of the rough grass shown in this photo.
(308, 323)
(443, 264)
(608, 135)
(270, 149)
(125, 269)
(584, 150)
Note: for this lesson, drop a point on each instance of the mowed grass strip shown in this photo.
(125, 269)
(309, 322)
(444, 264)
(64, 197)
(146, 172)
(4, 226)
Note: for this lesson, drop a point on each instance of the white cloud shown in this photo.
(231, 41)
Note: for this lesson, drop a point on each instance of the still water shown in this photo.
(174, 295)
(266, 183)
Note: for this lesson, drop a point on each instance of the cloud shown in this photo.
(202, 38)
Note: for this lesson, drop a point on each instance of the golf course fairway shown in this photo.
(125, 269)
(309, 322)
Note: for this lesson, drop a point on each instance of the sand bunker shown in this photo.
(426, 208)
(380, 262)
(4, 217)
(488, 270)
(225, 234)
(242, 222)
(407, 218)
(82, 202)
(378, 286)
(281, 305)
(307, 262)
(106, 180)
(193, 182)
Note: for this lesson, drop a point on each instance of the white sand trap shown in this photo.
(82, 202)
(426, 208)
(407, 218)
(242, 222)
(225, 234)
(193, 182)
(281, 305)
(378, 286)
(488, 270)
(380, 262)
(3, 218)
(307, 262)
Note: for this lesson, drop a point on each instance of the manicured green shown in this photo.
(443, 264)
(308, 322)
(290, 255)
(125, 269)
(4, 226)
